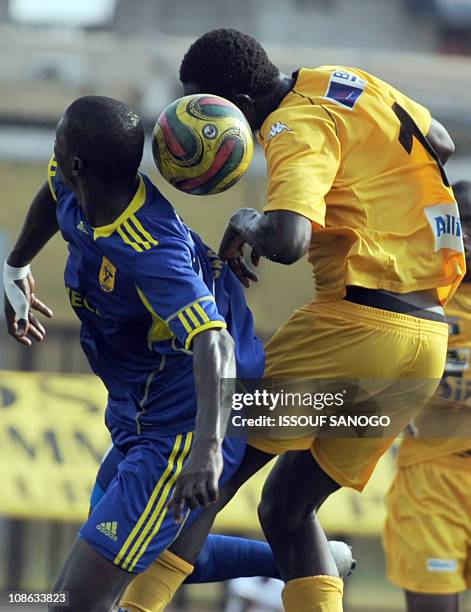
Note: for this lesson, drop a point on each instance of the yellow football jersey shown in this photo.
(455, 388)
(345, 150)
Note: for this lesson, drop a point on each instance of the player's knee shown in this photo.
(276, 511)
(273, 511)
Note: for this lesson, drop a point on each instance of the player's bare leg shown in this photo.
(422, 602)
(93, 582)
(294, 490)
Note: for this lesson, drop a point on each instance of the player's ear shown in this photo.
(247, 106)
(77, 166)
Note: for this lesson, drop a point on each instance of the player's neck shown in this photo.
(103, 204)
(272, 100)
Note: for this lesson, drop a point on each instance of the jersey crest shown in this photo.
(107, 275)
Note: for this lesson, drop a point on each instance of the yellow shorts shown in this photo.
(427, 536)
(342, 340)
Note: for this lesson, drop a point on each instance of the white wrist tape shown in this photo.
(15, 296)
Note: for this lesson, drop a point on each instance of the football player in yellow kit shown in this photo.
(427, 535)
(355, 177)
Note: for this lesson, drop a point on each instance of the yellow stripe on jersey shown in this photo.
(149, 238)
(153, 525)
(128, 226)
(150, 504)
(160, 330)
(128, 240)
(188, 316)
(210, 325)
(192, 317)
(51, 173)
(206, 298)
(201, 312)
(184, 322)
(136, 203)
(133, 234)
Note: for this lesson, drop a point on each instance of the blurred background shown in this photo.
(51, 51)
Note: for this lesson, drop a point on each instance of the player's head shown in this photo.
(233, 65)
(98, 138)
(462, 191)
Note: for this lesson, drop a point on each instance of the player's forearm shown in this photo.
(39, 227)
(214, 370)
(279, 235)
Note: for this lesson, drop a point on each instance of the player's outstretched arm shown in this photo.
(280, 235)
(39, 227)
(214, 370)
(440, 140)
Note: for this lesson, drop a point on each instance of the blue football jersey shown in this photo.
(143, 287)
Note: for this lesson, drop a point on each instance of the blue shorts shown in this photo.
(130, 524)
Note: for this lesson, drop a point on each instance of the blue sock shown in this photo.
(225, 557)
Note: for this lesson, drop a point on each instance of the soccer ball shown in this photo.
(202, 144)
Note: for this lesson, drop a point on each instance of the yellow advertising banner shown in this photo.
(52, 438)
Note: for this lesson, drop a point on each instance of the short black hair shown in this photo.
(462, 191)
(106, 134)
(227, 62)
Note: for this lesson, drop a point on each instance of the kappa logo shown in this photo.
(110, 530)
(278, 128)
(107, 275)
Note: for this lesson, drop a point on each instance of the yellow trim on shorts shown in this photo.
(124, 556)
(160, 510)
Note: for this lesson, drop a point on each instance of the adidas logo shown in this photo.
(82, 227)
(109, 529)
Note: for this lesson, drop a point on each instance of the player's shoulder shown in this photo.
(297, 115)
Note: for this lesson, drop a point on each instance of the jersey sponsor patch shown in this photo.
(444, 219)
(442, 565)
(276, 129)
(345, 88)
(107, 275)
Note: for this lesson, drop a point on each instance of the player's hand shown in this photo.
(197, 485)
(22, 323)
(232, 250)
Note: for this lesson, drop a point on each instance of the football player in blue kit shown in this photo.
(158, 329)
(154, 302)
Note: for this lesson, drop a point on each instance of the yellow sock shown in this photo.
(313, 594)
(153, 590)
